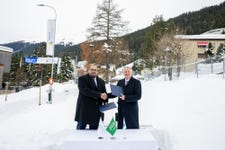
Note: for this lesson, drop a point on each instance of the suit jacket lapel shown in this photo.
(91, 81)
(97, 82)
(123, 83)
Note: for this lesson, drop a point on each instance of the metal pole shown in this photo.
(223, 66)
(6, 91)
(50, 87)
(211, 65)
(39, 101)
(196, 68)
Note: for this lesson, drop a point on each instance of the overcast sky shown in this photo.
(23, 20)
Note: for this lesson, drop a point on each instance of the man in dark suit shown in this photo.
(128, 101)
(92, 94)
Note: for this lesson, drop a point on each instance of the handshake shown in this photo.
(104, 96)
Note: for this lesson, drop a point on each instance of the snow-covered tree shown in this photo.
(139, 65)
(209, 50)
(66, 69)
(220, 53)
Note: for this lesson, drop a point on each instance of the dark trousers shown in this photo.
(82, 126)
(127, 120)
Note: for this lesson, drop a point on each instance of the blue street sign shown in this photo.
(31, 60)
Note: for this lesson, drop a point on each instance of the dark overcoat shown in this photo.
(89, 100)
(128, 109)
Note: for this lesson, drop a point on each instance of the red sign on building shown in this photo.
(202, 43)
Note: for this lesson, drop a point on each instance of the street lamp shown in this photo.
(53, 42)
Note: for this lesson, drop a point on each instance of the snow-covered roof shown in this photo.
(215, 31)
(202, 37)
(6, 49)
(215, 34)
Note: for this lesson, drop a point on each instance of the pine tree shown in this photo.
(153, 35)
(107, 27)
(18, 74)
(14, 66)
(210, 55)
(220, 53)
(107, 23)
(66, 69)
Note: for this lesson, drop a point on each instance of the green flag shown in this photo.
(111, 128)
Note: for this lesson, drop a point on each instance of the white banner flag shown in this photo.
(51, 37)
(59, 65)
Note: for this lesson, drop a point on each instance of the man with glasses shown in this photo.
(92, 94)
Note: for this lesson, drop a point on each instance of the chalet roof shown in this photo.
(215, 31)
(215, 34)
(6, 49)
(202, 37)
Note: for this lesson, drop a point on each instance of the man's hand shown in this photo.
(122, 97)
(104, 96)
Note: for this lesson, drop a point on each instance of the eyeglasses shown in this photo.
(93, 69)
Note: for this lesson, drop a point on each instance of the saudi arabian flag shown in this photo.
(111, 128)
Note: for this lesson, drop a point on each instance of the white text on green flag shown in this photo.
(111, 128)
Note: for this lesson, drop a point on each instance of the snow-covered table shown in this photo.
(141, 139)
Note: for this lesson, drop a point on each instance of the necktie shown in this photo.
(95, 81)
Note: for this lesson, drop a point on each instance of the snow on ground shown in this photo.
(186, 113)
